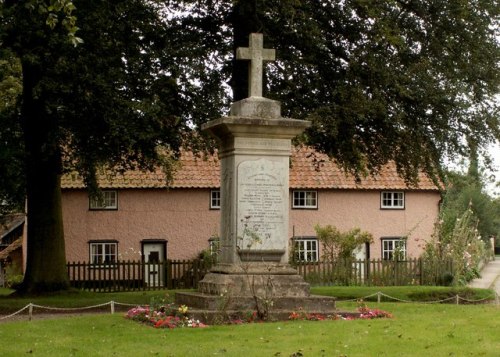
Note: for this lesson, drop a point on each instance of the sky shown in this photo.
(491, 187)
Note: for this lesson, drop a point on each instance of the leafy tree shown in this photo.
(467, 191)
(459, 243)
(111, 99)
(381, 80)
(340, 245)
(11, 179)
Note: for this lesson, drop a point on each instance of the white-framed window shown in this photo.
(103, 252)
(107, 200)
(394, 248)
(305, 249)
(215, 199)
(392, 199)
(305, 199)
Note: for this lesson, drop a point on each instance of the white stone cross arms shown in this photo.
(257, 55)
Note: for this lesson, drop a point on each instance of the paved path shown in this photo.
(490, 277)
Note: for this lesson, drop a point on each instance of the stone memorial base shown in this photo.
(232, 290)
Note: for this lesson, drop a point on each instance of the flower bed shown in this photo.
(172, 316)
(166, 316)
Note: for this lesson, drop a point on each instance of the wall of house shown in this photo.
(347, 209)
(183, 217)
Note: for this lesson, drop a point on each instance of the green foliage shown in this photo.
(207, 259)
(467, 191)
(458, 241)
(406, 293)
(340, 245)
(112, 100)
(11, 151)
(380, 80)
(13, 276)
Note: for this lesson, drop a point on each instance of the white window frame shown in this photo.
(215, 199)
(305, 199)
(103, 252)
(392, 199)
(390, 245)
(306, 249)
(108, 201)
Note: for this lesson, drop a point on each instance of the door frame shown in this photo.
(163, 259)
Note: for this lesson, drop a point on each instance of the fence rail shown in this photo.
(178, 274)
(136, 275)
(375, 272)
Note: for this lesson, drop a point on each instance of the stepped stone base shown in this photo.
(312, 303)
(226, 292)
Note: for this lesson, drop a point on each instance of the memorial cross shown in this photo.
(257, 55)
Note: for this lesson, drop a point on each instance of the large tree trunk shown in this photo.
(46, 259)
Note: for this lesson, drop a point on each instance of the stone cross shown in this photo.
(257, 55)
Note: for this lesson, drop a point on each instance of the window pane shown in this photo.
(304, 199)
(215, 199)
(306, 250)
(394, 249)
(103, 253)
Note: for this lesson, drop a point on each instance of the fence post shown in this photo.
(379, 295)
(30, 311)
(367, 271)
(112, 307)
(421, 268)
(169, 274)
(457, 299)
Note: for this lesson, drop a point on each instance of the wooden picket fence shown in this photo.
(185, 274)
(374, 272)
(136, 275)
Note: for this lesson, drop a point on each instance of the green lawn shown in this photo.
(415, 330)
(76, 298)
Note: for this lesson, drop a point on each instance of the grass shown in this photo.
(407, 293)
(77, 298)
(415, 330)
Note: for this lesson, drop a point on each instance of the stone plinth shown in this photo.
(211, 307)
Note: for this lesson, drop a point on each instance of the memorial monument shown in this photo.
(254, 150)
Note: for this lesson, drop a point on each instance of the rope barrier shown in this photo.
(14, 313)
(113, 304)
(70, 308)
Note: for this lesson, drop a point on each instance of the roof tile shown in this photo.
(309, 169)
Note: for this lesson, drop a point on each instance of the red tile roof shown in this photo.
(203, 172)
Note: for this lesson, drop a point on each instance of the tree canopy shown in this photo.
(94, 82)
(111, 99)
(380, 80)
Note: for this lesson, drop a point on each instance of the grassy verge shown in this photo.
(415, 330)
(76, 298)
(407, 293)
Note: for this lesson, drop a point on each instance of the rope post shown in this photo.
(112, 307)
(379, 295)
(30, 311)
(457, 299)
